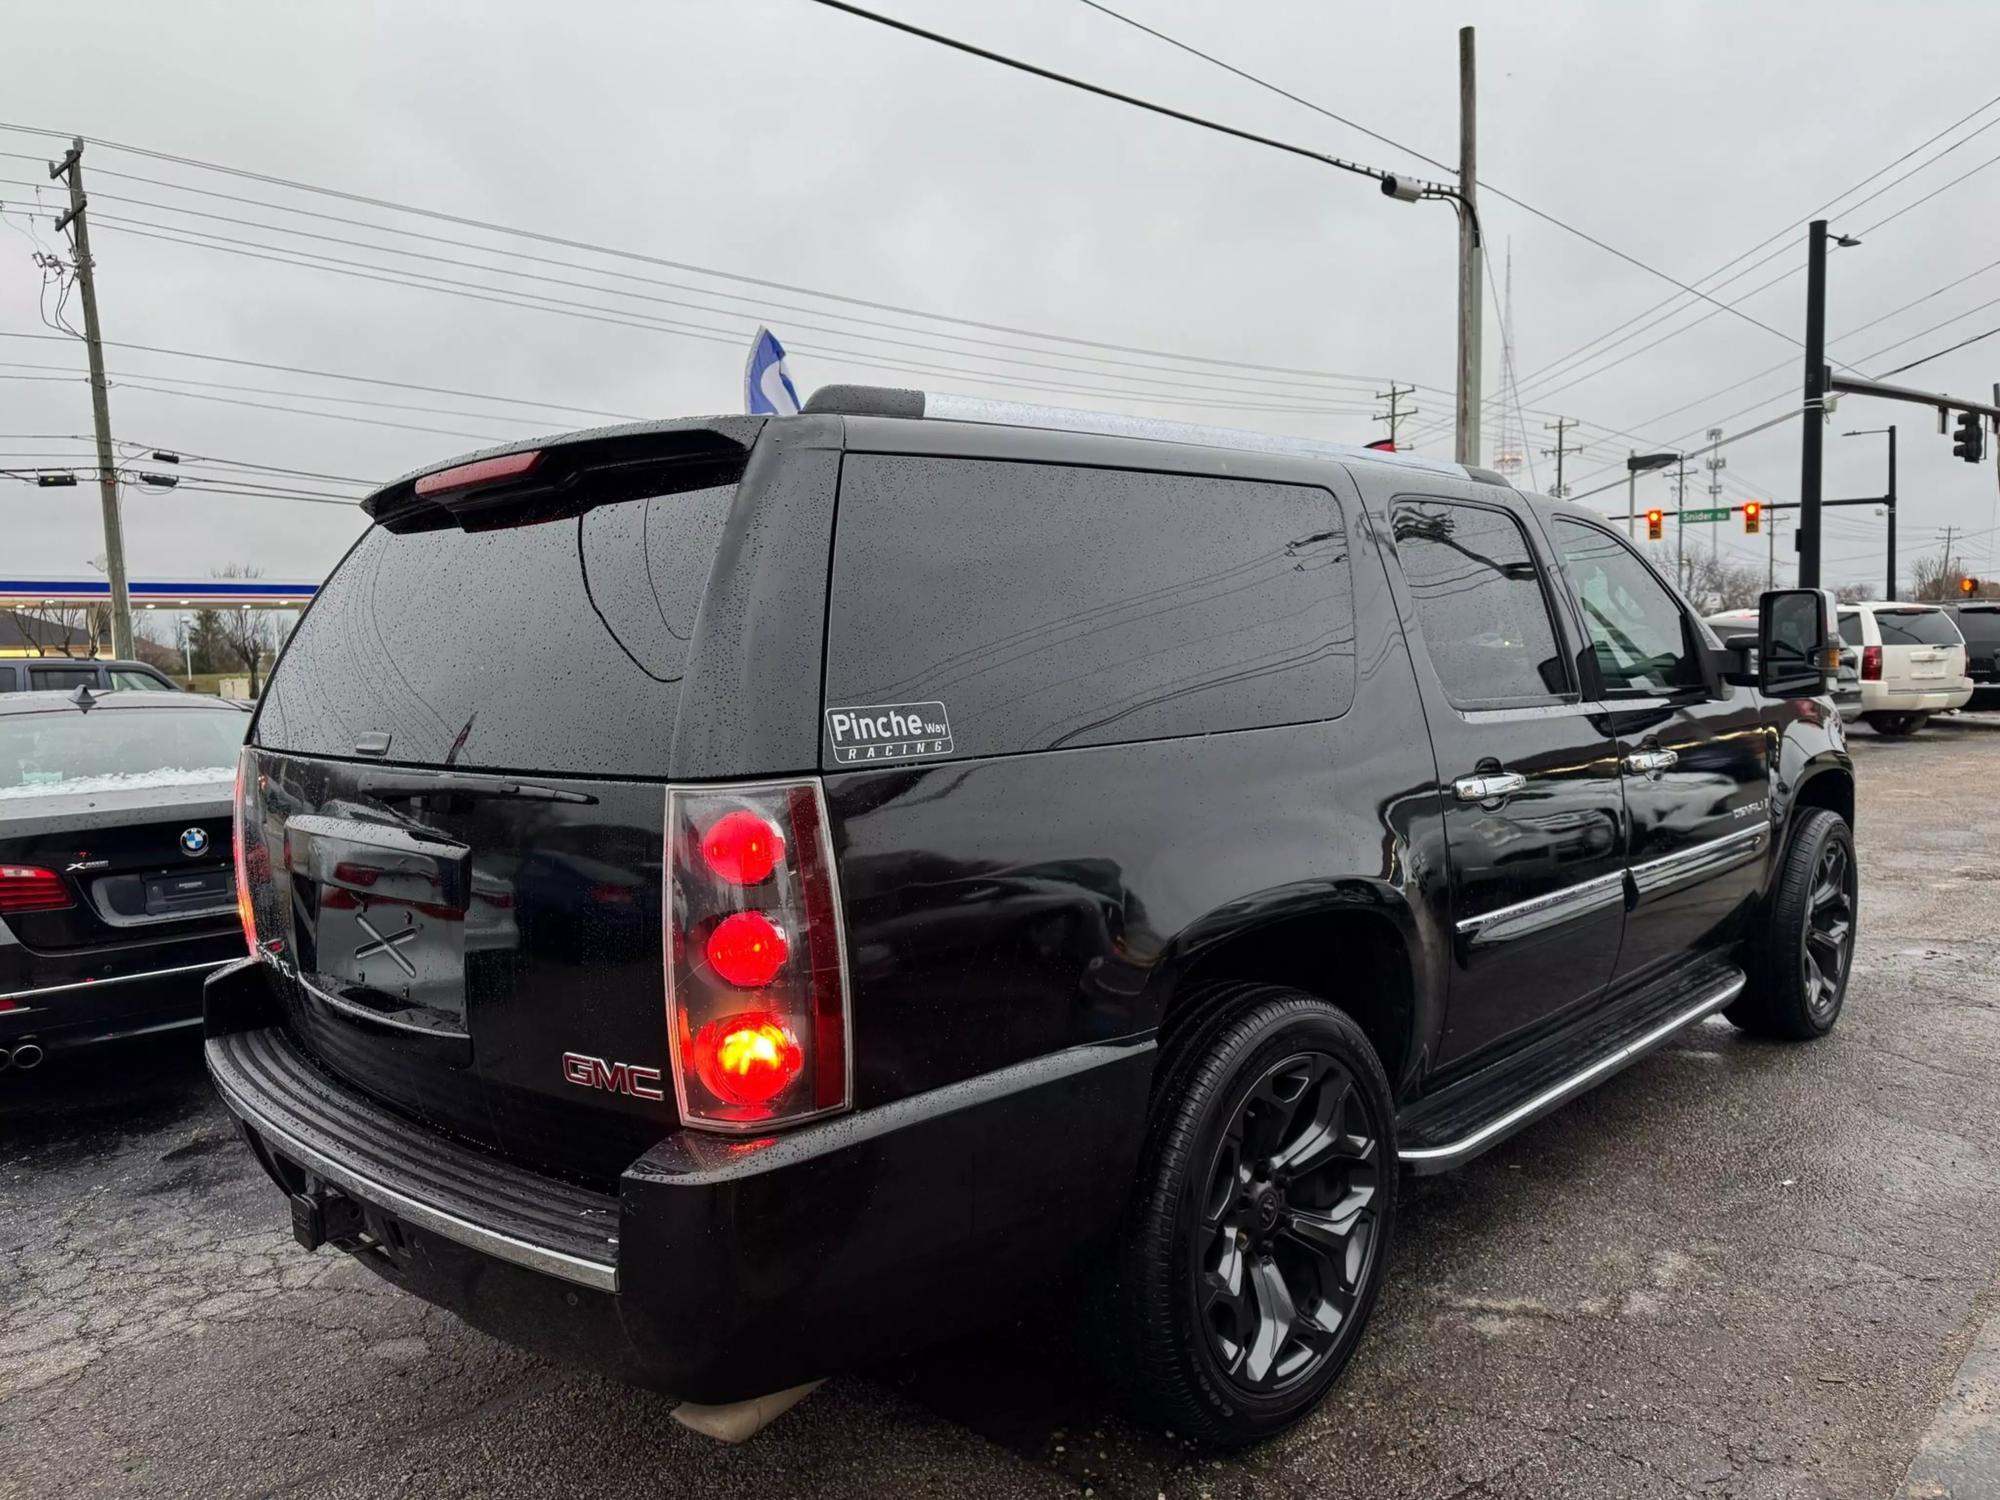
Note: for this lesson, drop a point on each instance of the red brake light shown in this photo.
(486, 470)
(1871, 663)
(747, 949)
(756, 967)
(31, 888)
(239, 845)
(747, 1059)
(742, 848)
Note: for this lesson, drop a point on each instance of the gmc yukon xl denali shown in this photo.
(733, 899)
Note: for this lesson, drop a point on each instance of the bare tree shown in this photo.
(247, 633)
(1853, 593)
(1713, 583)
(58, 631)
(1929, 580)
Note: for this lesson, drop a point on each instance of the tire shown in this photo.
(1800, 965)
(1895, 725)
(1253, 1248)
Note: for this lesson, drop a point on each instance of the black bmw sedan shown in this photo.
(116, 890)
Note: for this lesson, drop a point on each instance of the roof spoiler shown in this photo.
(522, 483)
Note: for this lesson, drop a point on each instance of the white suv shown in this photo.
(1912, 663)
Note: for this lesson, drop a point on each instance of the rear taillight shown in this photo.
(756, 963)
(1871, 663)
(245, 810)
(31, 888)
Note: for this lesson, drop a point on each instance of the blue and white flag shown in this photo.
(767, 384)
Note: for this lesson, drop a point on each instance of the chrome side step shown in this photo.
(1429, 1159)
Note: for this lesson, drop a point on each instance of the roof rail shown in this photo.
(894, 401)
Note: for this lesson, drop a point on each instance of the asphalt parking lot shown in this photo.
(1738, 1269)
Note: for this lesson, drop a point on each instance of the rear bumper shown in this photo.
(721, 1268)
(1876, 699)
(79, 1013)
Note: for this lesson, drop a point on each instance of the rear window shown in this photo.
(1916, 627)
(1981, 625)
(553, 647)
(114, 749)
(1035, 606)
(1850, 627)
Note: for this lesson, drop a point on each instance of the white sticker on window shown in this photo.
(888, 731)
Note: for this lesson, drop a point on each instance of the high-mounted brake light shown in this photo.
(757, 999)
(31, 888)
(484, 471)
(1871, 663)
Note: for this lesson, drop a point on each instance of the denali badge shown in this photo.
(612, 1077)
(895, 731)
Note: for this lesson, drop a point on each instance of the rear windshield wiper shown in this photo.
(407, 788)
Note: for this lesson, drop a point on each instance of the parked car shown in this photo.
(1091, 851)
(1729, 624)
(1978, 620)
(65, 674)
(115, 891)
(1912, 663)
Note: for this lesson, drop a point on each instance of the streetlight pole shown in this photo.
(1810, 452)
(1636, 464)
(1889, 499)
(1471, 316)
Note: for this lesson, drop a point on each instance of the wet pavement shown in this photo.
(1738, 1269)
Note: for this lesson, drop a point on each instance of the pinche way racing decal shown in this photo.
(892, 731)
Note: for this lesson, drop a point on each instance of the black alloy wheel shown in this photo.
(1826, 945)
(1287, 1232)
(1800, 965)
(1254, 1247)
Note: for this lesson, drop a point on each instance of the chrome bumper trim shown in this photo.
(98, 984)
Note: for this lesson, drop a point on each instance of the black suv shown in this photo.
(733, 899)
(1979, 622)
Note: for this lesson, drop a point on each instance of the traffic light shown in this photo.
(1753, 517)
(1655, 525)
(1968, 586)
(1969, 441)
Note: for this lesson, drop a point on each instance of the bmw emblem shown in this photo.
(194, 841)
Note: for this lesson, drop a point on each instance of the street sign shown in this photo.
(1706, 515)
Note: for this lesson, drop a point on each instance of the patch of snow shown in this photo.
(124, 781)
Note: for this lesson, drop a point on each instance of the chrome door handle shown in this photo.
(1488, 786)
(1641, 762)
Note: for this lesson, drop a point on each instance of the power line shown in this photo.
(637, 257)
(1953, 349)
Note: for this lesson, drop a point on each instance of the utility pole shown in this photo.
(100, 406)
(1715, 465)
(1892, 510)
(1560, 426)
(1815, 406)
(1772, 522)
(1470, 313)
(1396, 413)
(1680, 526)
(1949, 533)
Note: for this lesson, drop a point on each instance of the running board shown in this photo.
(1425, 1157)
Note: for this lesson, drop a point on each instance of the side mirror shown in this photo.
(1798, 642)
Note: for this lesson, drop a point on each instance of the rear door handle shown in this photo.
(1644, 762)
(1488, 785)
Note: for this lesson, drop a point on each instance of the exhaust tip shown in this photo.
(27, 1055)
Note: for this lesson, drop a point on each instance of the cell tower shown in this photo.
(1512, 452)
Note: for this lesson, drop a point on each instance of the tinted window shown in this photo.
(1638, 632)
(1979, 625)
(1480, 603)
(1850, 627)
(556, 646)
(61, 678)
(7, 680)
(144, 681)
(1916, 627)
(109, 749)
(1047, 606)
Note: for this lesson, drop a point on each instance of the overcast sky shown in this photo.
(783, 141)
